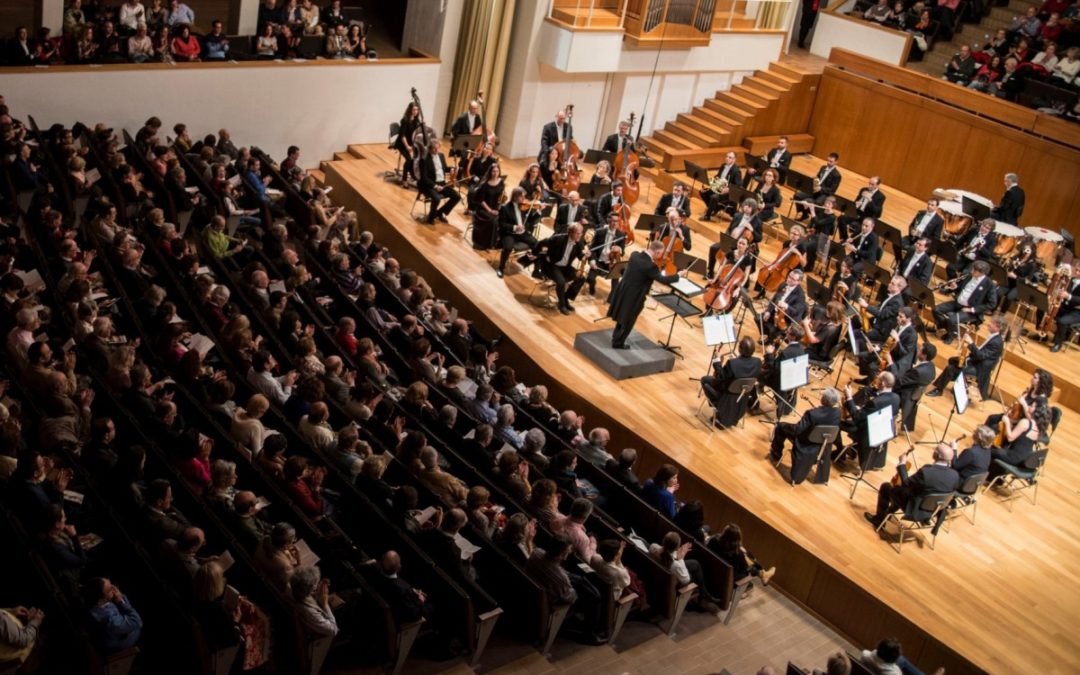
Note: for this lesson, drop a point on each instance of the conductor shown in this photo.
(629, 298)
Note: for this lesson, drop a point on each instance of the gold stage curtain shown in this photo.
(772, 14)
(483, 47)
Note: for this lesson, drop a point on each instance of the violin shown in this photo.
(626, 165)
(1015, 414)
(839, 292)
(808, 332)
(568, 178)
(583, 266)
(898, 479)
(883, 361)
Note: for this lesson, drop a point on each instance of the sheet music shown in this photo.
(719, 329)
(794, 373)
(31, 279)
(687, 287)
(960, 394)
(307, 556)
(468, 549)
(880, 427)
(201, 344)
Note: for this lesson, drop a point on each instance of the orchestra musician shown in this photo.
(823, 223)
(516, 227)
(549, 165)
(976, 459)
(730, 407)
(824, 333)
(533, 183)
(745, 222)
(863, 246)
(1011, 206)
(768, 195)
(977, 245)
(608, 246)
(410, 122)
(609, 202)
(917, 264)
(878, 396)
(884, 315)
(618, 140)
(602, 175)
(798, 242)
(926, 224)
(902, 354)
(468, 123)
(981, 361)
(434, 177)
(803, 452)
(715, 199)
(485, 200)
(563, 250)
(929, 479)
(573, 210)
(1021, 266)
(828, 183)
(770, 371)
(909, 380)
(1041, 384)
(779, 159)
(554, 132)
(676, 224)
(1069, 314)
(1021, 437)
(481, 162)
(974, 298)
(869, 204)
(740, 256)
(789, 299)
(846, 275)
(678, 198)
(629, 298)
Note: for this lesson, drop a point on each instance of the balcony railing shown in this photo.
(678, 23)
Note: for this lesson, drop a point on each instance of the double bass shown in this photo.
(568, 177)
(626, 166)
(422, 136)
(487, 137)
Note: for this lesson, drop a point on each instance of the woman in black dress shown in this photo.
(550, 166)
(769, 194)
(478, 167)
(823, 334)
(485, 200)
(1021, 437)
(533, 183)
(1041, 385)
(410, 122)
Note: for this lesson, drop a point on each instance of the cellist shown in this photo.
(675, 224)
(788, 303)
(739, 258)
(792, 252)
(744, 225)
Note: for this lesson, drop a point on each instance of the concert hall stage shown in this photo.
(999, 596)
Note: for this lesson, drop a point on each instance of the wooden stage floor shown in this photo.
(1001, 594)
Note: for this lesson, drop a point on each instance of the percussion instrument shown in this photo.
(957, 223)
(960, 194)
(1008, 238)
(943, 195)
(1047, 244)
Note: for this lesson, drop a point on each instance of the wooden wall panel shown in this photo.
(916, 144)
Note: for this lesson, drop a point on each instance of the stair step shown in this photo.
(343, 157)
(674, 140)
(324, 166)
(319, 175)
(706, 125)
(357, 151)
(695, 136)
(788, 70)
(739, 101)
(767, 84)
(717, 118)
(781, 80)
(752, 93)
(659, 147)
(728, 110)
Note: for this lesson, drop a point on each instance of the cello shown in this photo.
(568, 178)
(721, 293)
(772, 276)
(673, 243)
(626, 166)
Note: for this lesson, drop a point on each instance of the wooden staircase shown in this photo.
(774, 101)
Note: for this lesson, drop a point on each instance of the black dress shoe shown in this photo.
(442, 217)
(934, 393)
(564, 310)
(1055, 349)
(570, 308)
(499, 273)
(948, 339)
(862, 380)
(871, 519)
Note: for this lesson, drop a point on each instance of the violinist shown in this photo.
(983, 357)
(930, 479)
(863, 246)
(974, 297)
(610, 202)
(911, 379)
(742, 259)
(730, 407)
(770, 372)
(745, 225)
(917, 264)
(926, 223)
(904, 342)
(827, 183)
(789, 302)
(879, 396)
(486, 199)
(481, 162)
(803, 452)
(726, 176)
(620, 140)
(1021, 437)
(573, 210)
(798, 245)
(515, 226)
(602, 176)
(533, 183)
(1041, 384)
(884, 315)
(410, 122)
(608, 244)
(846, 275)
(549, 166)
(823, 224)
(675, 224)
(434, 177)
(1022, 266)
(978, 245)
(678, 199)
(768, 194)
(563, 250)
(823, 334)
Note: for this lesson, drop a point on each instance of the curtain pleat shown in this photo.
(483, 49)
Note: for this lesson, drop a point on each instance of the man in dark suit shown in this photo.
(779, 158)
(439, 544)
(857, 427)
(869, 204)
(678, 198)
(617, 141)
(917, 264)
(573, 210)
(770, 371)
(926, 224)
(829, 182)
(606, 240)
(563, 250)
(1069, 314)
(731, 406)
(407, 603)
(976, 459)
(629, 298)
(716, 199)
(622, 469)
(803, 452)
(745, 220)
(1011, 82)
(789, 299)
(608, 203)
(515, 227)
(469, 122)
(863, 246)
(1012, 202)
(983, 357)
(902, 354)
(884, 315)
(909, 380)
(434, 184)
(977, 245)
(930, 479)
(974, 297)
(553, 133)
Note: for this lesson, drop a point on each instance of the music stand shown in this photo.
(789, 223)
(880, 429)
(466, 145)
(595, 156)
(891, 234)
(924, 297)
(817, 290)
(758, 164)
(876, 274)
(998, 274)
(1031, 298)
(718, 330)
(678, 301)
(976, 210)
(944, 250)
(959, 407)
(685, 261)
(837, 253)
(697, 175)
(739, 195)
(794, 373)
(648, 222)
(846, 207)
(593, 191)
(800, 182)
